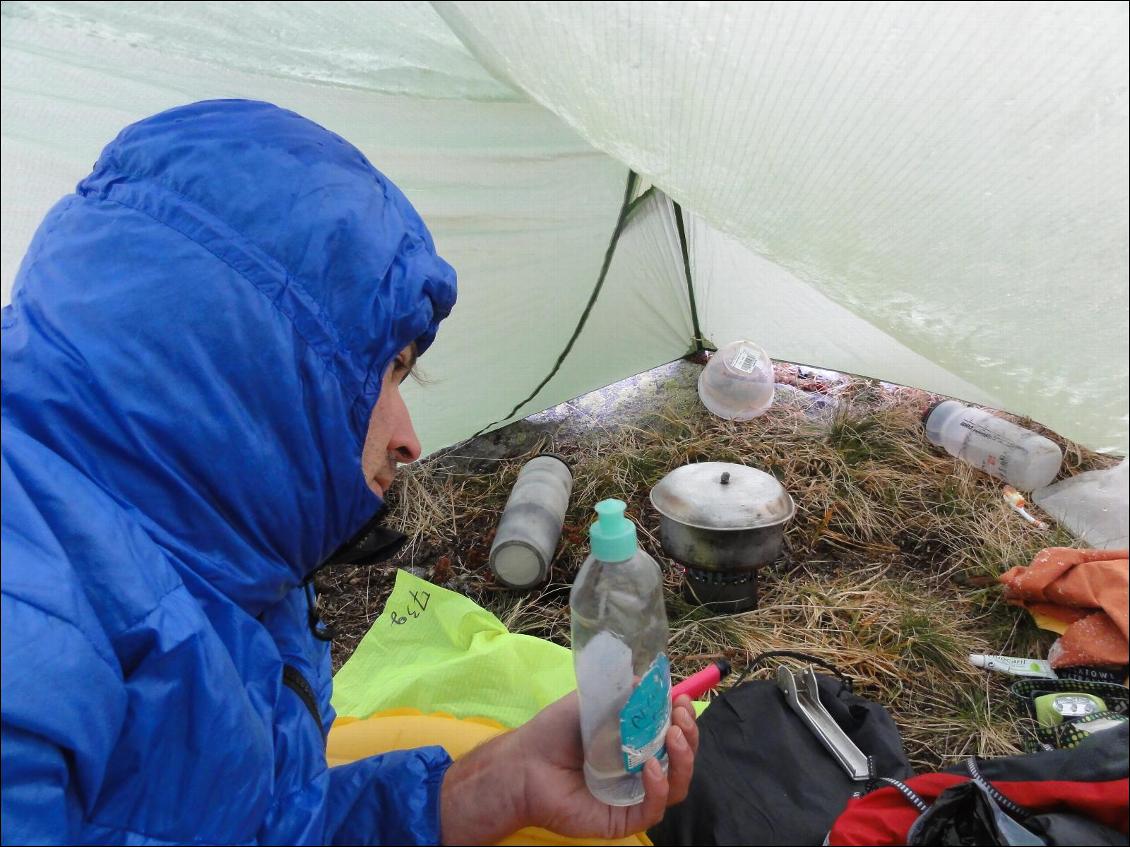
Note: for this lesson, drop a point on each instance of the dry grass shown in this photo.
(888, 572)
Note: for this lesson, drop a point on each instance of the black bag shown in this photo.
(762, 777)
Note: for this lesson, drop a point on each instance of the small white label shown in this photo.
(745, 360)
(636, 757)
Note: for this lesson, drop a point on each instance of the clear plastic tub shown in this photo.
(737, 383)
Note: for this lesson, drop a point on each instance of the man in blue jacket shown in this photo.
(201, 369)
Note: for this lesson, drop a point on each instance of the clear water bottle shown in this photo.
(620, 655)
(996, 446)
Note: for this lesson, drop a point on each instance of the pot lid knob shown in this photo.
(726, 478)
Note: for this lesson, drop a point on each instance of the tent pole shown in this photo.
(622, 219)
(699, 346)
(635, 204)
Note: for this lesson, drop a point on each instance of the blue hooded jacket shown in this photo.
(196, 340)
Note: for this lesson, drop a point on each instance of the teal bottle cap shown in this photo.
(613, 536)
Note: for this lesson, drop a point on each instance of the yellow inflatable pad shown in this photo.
(402, 729)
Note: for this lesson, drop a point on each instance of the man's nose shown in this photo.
(405, 446)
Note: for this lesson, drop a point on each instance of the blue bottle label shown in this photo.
(646, 716)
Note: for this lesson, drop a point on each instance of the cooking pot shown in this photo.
(718, 516)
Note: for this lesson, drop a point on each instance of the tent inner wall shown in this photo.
(954, 174)
(930, 196)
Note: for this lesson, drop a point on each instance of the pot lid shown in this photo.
(720, 495)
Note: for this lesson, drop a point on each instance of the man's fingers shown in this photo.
(661, 791)
(656, 791)
(683, 717)
(680, 758)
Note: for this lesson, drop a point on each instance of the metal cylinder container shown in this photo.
(531, 522)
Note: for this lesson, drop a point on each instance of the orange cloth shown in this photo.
(1087, 590)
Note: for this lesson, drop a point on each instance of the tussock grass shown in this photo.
(890, 564)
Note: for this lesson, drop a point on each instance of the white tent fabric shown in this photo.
(928, 194)
(738, 289)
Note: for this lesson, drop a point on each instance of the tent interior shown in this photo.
(929, 195)
(929, 198)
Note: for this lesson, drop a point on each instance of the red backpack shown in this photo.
(1072, 796)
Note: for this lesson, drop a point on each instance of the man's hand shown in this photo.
(556, 795)
(534, 777)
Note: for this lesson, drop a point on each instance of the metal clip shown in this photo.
(803, 695)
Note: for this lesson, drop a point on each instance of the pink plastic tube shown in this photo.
(698, 684)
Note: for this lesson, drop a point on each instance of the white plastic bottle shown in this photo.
(620, 655)
(999, 448)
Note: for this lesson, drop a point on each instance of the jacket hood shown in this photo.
(202, 328)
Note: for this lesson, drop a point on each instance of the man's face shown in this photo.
(391, 440)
